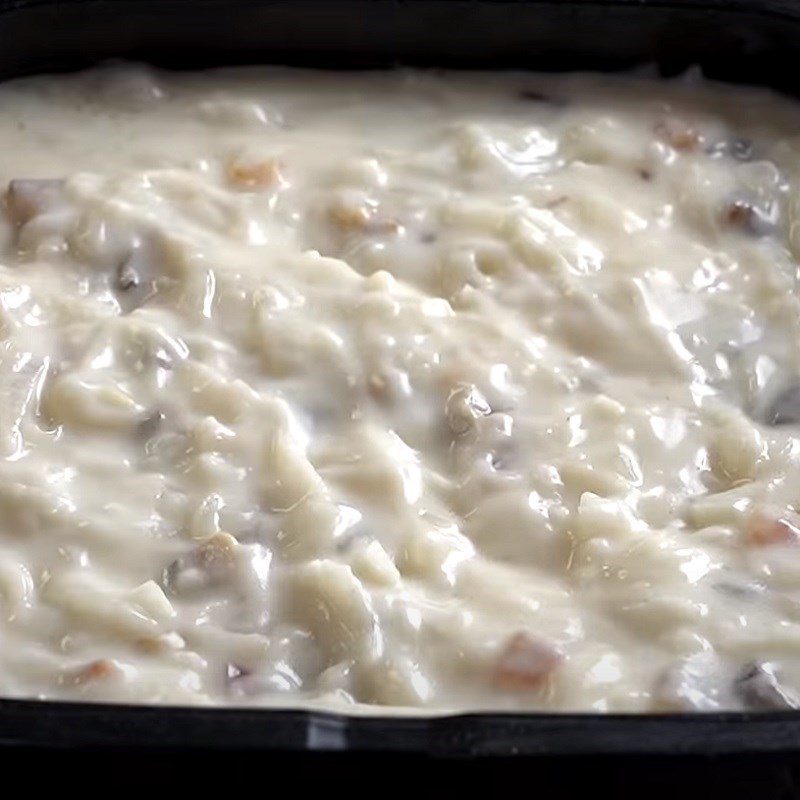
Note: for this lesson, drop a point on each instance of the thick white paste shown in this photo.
(405, 389)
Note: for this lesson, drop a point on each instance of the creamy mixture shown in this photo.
(399, 390)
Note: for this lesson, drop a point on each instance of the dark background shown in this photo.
(288, 776)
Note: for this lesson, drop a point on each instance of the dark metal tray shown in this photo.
(752, 41)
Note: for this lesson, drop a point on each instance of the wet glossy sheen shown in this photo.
(416, 390)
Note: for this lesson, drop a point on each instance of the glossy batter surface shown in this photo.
(412, 390)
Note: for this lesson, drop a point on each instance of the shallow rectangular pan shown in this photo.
(753, 41)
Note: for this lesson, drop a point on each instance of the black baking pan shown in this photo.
(751, 41)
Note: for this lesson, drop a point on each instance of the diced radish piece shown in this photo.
(759, 687)
(29, 197)
(258, 175)
(695, 683)
(102, 669)
(764, 530)
(525, 663)
(677, 134)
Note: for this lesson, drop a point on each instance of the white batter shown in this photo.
(399, 390)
